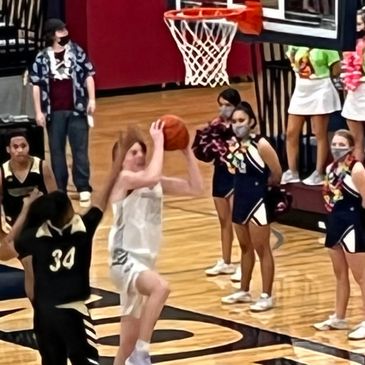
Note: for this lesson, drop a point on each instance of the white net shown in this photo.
(205, 45)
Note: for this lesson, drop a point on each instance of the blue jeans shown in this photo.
(61, 125)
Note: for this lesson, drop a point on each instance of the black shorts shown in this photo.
(65, 333)
(346, 228)
(223, 181)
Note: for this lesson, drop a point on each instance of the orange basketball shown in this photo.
(175, 133)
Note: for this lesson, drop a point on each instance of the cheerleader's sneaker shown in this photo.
(332, 323)
(314, 179)
(138, 358)
(290, 177)
(240, 296)
(236, 277)
(221, 268)
(264, 303)
(358, 333)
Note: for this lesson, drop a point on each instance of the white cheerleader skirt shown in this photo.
(354, 106)
(314, 97)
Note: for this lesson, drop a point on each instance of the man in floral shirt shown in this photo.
(64, 97)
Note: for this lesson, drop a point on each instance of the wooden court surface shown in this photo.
(195, 327)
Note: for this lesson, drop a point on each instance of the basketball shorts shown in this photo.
(65, 332)
(124, 277)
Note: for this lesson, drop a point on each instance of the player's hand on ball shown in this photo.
(156, 131)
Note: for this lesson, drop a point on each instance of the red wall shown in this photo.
(130, 45)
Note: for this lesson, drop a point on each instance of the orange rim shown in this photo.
(204, 13)
(247, 17)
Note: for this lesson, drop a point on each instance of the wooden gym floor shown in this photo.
(195, 328)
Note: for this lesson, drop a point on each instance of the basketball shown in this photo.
(175, 133)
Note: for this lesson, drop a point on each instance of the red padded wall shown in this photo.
(130, 45)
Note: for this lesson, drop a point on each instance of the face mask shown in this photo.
(226, 111)
(241, 130)
(338, 153)
(64, 40)
(360, 33)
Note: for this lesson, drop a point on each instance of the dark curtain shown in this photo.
(56, 9)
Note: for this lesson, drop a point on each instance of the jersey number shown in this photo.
(66, 261)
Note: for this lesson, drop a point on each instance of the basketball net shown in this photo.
(204, 37)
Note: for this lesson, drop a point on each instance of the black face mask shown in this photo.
(360, 34)
(64, 40)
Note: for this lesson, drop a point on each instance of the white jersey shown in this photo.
(137, 226)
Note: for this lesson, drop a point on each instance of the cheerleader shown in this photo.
(344, 195)
(353, 76)
(222, 182)
(316, 97)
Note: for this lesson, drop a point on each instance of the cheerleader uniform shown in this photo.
(223, 180)
(314, 92)
(250, 187)
(354, 106)
(345, 220)
(134, 243)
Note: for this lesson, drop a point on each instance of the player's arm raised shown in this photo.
(151, 175)
(193, 185)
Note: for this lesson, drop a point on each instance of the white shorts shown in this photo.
(354, 106)
(124, 277)
(314, 97)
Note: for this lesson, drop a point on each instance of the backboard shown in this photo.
(328, 24)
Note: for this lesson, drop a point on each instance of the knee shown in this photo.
(225, 222)
(262, 251)
(359, 278)
(292, 135)
(162, 290)
(342, 275)
(246, 248)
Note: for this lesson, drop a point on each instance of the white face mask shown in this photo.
(225, 111)
(340, 152)
(241, 131)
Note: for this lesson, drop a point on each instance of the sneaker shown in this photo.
(138, 358)
(314, 179)
(240, 296)
(332, 323)
(85, 199)
(221, 268)
(236, 277)
(264, 303)
(358, 333)
(290, 177)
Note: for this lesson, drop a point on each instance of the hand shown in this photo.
(40, 119)
(34, 195)
(91, 106)
(156, 131)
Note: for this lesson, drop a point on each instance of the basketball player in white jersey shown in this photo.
(134, 239)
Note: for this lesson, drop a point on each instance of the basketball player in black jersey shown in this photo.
(20, 175)
(59, 243)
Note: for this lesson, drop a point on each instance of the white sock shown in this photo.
(142, 346)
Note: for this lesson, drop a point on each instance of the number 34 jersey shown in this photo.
(61, 258)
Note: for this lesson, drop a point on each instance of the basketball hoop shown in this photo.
(205, 35)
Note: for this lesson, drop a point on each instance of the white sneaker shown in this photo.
(240, 296)
(315, 178)
(264, 303)
(290, 177)
(332, 323)
(138, 358)
(236, 277)
(85, 199)
(358, 333)
(221, 268)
